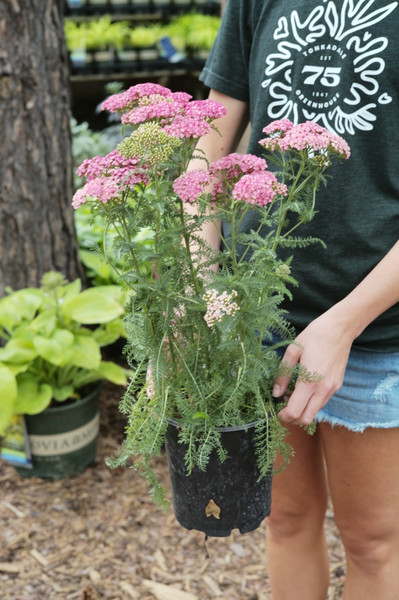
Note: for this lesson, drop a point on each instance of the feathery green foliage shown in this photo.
(201, 316)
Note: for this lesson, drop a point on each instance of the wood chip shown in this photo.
(167, 592)
(13, 509)
(128, 589)
(10, 568)
(213, 586)
(86, 549)
(39, 557)
(159, 557)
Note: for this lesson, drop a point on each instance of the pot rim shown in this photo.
(223, 429)
(61, 407)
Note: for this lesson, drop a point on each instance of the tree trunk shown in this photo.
(37, 231)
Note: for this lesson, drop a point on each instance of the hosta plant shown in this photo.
(52, 338)
(200, 316)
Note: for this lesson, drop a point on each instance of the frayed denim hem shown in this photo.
(323, 417)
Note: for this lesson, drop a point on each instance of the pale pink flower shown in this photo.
(104, 165)
(181, 97)
(159, 110)
(280, 126)
(128, 99)
(226, 171)
(205, 109)
(258, 188)
(101, 189)
(115, 166)
(233, 165)
(308, 136)
(187, 127)
(219, 306)
(189, 186)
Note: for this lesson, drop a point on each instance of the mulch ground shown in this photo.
(98, 536)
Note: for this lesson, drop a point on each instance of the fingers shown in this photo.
(306, 400)
(290, 359)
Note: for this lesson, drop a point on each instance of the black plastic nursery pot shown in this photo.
(63, 439)
(227, 495)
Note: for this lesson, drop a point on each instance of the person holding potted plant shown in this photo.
(272, 60)
(202, 327)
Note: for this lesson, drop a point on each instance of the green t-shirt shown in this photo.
(334, 63)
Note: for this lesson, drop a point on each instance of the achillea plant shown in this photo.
(200, 327)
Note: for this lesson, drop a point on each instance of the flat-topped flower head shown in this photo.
(308, 136)
(106, 165)
(205, 109)
(234, 165)
(187, 127)
(219, 306)
(259, 188)
(154, 111)
(101, 189)
(149, 143)
(278, 127)
(189, 186)
(132, 96)
(226, 171)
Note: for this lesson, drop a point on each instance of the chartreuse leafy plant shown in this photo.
(53, 337)
(199, 317)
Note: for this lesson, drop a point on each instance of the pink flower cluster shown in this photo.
(246, 175)
(233, 165)
(101, 189)
(158, 110)
(190, 185)
(173, 114)
(131, 97)
(219, 306)
(258, 188)
(187, 127)
(309, 136)
(113, 164)
(175, 111)
(107, 176)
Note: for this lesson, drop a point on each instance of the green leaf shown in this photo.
(95, 305)
(63, 393)
(72, 289)
(113, 373)
(85, 353)
(200, 415)
(19, 306)
(97, 264)
(109, 333)
(45, 323)
(8, 386)
(33, 397)
(58, 349)
(18, 351)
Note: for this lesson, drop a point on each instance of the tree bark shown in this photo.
(37, 231)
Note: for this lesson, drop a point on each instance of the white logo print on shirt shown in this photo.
(326, 68)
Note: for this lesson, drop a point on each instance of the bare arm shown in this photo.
(219, 143)
(325, 343)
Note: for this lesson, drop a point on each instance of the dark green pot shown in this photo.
(63, 439)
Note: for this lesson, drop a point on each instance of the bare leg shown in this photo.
(363, 471)
(296, 548)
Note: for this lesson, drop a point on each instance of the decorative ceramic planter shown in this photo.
(227, 495)
(63, 439)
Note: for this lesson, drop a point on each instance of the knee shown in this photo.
(369, 545)
(299, 517)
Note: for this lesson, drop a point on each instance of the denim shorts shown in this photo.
(369, 396)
